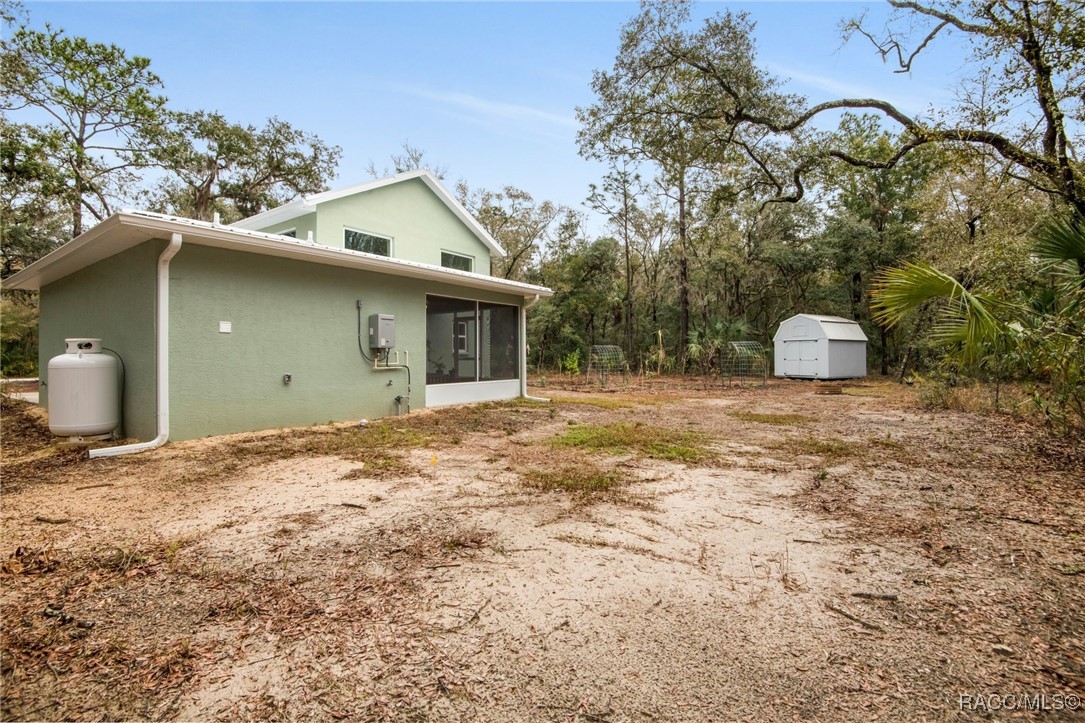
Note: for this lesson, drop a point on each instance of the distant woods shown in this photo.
(729, 204)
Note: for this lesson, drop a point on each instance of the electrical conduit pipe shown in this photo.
(162, 359)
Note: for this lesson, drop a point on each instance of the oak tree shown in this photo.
(216, 166)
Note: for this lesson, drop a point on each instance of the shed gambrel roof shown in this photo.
(308, 204)
(836, 328)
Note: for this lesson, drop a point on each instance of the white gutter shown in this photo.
(523, 350)
(134, 227)
(162, 359)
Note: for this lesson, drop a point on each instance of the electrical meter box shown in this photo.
(382, 331)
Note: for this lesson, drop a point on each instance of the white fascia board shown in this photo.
(463, 214)
(126, 229)
(61, 261)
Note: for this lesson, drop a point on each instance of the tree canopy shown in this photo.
(98, 100)
(1032, 60)
(235, 170)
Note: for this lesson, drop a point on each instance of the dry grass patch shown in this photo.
(451, 424)
(22, 427)
(587, 484)
(833, 450)
(622, 402)
(574, 478)
(28, 452)
(876, 392)
(888, 443)
(784, 420)
(830, 449)
(381, 448)
(126, 628)
(93, 619)
(639, 439)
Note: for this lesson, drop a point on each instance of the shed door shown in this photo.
(801, 358)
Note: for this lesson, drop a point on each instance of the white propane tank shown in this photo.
(84, 400)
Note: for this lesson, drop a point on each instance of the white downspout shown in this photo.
(523, 350)
(162, 358)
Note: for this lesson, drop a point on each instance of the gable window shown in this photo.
(291, 232)
(459, 262)
(367, 242)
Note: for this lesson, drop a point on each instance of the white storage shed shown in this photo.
(809, 346)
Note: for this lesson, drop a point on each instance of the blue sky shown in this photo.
(488, 89)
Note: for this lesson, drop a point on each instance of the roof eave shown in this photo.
(26, 279)
(207, 234)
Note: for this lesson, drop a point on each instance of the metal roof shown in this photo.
(836, 328)
(126, 229)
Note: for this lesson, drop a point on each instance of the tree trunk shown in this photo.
(904, 365)
(628, 302)
(683, 276)
(77, 166)
(856, 295)
(885, 352)
(77, 209)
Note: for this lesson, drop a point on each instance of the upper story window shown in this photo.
(291, 232)
(457, 261)
(367, 242)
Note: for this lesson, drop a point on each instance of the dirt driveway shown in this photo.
(654, 553)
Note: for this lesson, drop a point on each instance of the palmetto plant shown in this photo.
(975, 322)
(1061, 243)
(1041, 338)
(705, 346)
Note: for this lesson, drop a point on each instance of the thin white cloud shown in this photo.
(842, 89)
(492, 110)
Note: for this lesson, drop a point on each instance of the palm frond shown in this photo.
(1061, 239)
(895, 292)
(968, 319)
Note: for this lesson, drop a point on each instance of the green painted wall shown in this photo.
(301, 225)
(287, 317)
(113, 300)
(420, 224)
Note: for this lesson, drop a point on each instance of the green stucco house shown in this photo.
(266, 323)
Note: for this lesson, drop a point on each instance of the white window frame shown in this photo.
(391, 239)
(461, 337)
(462, 256)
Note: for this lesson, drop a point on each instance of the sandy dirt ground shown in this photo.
(655, 551)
